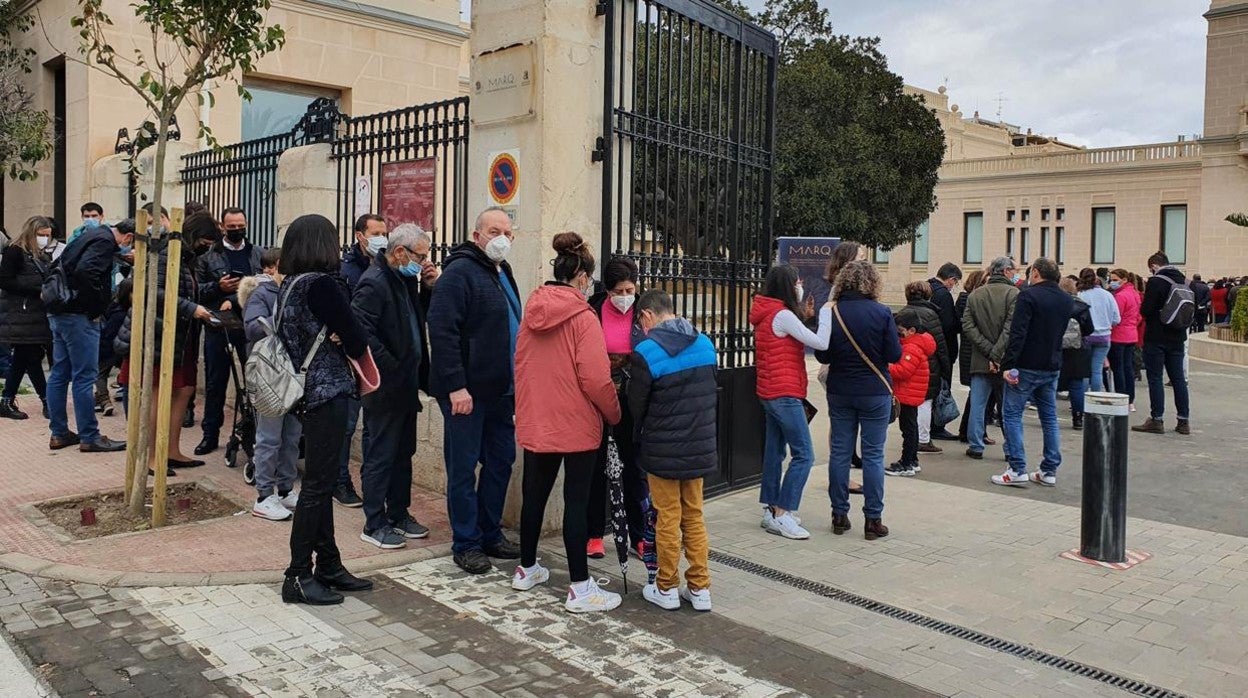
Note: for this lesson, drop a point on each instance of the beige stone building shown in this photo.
(369, 55)
(1006, 191)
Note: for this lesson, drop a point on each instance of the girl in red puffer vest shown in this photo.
(910, 378)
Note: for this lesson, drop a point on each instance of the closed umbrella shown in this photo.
(619, 518)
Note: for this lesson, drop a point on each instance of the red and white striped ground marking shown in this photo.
(1134, 557)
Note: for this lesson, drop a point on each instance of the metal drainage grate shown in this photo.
(1139, 688)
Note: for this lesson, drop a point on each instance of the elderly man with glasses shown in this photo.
(986, 325)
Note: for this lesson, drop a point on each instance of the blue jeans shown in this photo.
(786, 426)
(976, 428)
(1039, 387)
(475, 503)
(344, 458)
(1078, 388)
(1100, 352)
(1122, 363)
(1160, 357)
(277, 453)
(75, 357)
(852, 415)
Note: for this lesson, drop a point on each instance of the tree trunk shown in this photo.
(138, 491)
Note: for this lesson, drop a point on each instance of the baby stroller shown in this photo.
(243, 432)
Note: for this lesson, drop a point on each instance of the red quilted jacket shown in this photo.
(781, 360)
(911, 373)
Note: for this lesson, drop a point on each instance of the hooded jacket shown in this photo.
(781, 360)
(1128, 300)
(940, 361)
(912, 373)
(673, 399)
(469, 326)
(563, 378)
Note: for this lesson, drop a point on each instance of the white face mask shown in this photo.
(498, 249)
(800, 293)
(623, 303)
(377, 245)
(42, 240)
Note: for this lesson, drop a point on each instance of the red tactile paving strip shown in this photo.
(30, 473)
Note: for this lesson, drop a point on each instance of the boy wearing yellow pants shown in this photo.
(672, 394)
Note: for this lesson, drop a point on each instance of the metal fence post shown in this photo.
(1103, 530)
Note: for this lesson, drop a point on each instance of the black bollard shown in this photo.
(1103, 534)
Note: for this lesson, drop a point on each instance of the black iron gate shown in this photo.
(689, 109)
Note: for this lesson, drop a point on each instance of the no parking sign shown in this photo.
(504, 177)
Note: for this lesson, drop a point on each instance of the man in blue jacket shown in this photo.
(474, 317)
(1032, 362)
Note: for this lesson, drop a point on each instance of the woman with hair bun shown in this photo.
(564, 393)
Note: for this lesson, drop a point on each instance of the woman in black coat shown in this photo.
(940, 365)
(23, 320)
(1076, 355)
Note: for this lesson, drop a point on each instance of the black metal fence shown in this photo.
(422, 150)
(432, 137)
(689, 109)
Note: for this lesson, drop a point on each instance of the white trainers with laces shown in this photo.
(591, 598)
(700, 599)
(271, 508)
(667, 600)
(785, 525)
(768, 520)
(1042, 478)
(523, 579)
(291, 500)
(1010, 479)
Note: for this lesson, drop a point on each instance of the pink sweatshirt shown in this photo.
(1127, 331)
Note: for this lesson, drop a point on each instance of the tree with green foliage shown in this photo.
(25, 132)
(1239, 315)
(192, 42)
(856, 157)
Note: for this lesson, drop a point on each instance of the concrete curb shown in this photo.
(26, 564)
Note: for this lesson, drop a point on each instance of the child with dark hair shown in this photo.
(910, 381)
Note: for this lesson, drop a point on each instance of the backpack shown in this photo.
(1179, 309)
(1072, 338)
(274, 385)
(55, 292)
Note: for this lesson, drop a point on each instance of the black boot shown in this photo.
(342, 580)
(8, 409)
(1076, 420)
(840, 524)
(44, 400)
(305, 589)
(875, 528)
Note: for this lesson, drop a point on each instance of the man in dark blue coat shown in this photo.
(1030, 367)
(474, 317)
(389, 301)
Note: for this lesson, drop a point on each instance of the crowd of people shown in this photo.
(587, 368)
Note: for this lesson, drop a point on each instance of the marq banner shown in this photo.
(810, 256)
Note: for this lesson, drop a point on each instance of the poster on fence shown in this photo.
(407, 191)
(810, 256)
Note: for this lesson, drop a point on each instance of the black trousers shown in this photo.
(908, 420)
(540, 471)
(386, 474)
(217, 375)
(636, 491)
(312, 531)
(27, 360)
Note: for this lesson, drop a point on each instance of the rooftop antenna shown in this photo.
(1001, 100)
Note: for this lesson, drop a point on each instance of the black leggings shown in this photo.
(540, 471)
(27, 361)
(312, 531)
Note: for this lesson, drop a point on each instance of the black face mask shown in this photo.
(236, 236)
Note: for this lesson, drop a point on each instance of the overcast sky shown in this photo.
(1092, 72)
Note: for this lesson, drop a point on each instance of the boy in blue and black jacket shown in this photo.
(672, 394)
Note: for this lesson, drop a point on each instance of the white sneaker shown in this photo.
(524, 580)
(290, 501)
(271, 508)
(769, 519)
(1009, 479)
(1042, 478)
(591, 599)
(667, 600)
(785, 525)
(700, 600)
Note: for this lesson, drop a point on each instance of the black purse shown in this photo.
(896, 411)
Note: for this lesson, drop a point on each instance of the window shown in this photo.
(1174, 233)
(918, 251)
(1009, 242)
(1102, 236)
(1044, 214)
(1026, 215)
(881, 255)
(276, 107)
(973, 238)
(1060, 255)
(1044, 242)
(1061, 214)
(1009, 215)
(1024, 235)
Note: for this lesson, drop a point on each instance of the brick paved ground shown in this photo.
(31, 473)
